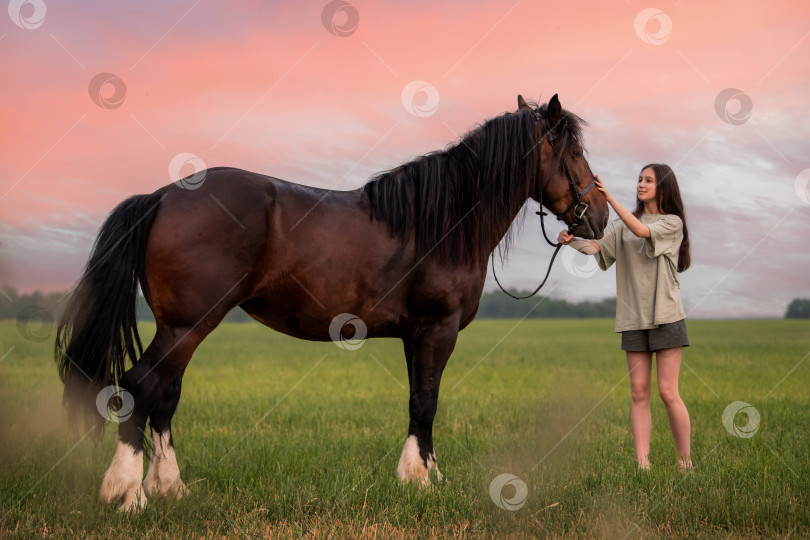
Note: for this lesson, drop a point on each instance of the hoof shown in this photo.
(176, 489)
(163, 476)
(417, 477)
(133, 501)
(411, 467)
(122, 481)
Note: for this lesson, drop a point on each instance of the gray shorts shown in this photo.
(666, 336)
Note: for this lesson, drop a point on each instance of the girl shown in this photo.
(649, 246)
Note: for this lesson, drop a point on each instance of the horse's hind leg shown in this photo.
(147, 382)
(122, 481)
(163, 476)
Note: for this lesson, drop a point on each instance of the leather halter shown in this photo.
(579, 214)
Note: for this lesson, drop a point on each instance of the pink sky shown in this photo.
(264, 86)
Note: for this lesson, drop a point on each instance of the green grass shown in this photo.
(279, 437)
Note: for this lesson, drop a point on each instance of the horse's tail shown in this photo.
(98, 329)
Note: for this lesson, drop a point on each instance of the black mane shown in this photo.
(456, 202)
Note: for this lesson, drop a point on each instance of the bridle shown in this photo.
(578, 195)
(578, 206)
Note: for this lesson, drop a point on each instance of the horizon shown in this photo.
(141, 298)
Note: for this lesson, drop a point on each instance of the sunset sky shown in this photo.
(323, 93)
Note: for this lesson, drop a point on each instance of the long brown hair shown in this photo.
(668, 198)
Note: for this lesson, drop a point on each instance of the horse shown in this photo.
(404, 256)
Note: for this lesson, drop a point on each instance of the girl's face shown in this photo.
(645, 190)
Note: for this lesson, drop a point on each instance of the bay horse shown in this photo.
(405, 256)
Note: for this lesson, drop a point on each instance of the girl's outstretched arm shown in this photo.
(632, 222)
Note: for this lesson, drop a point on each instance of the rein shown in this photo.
(578, 214)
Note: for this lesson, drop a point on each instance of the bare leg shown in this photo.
(639, 365)
(668, 368)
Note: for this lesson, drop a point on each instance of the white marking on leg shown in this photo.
(122, 481)
(163, 476)
(411, 467)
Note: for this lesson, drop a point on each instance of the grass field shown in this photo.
(277, 437)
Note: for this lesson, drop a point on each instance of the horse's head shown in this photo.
(564, 182)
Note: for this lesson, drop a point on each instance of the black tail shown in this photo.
(98, 329)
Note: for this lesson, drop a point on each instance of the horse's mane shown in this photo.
(456, 202)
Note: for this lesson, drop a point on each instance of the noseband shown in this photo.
(579, 207)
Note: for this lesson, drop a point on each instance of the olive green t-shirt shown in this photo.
(647, 286)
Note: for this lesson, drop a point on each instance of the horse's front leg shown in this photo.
(430, 348)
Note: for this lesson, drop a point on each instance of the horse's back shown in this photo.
(295, 255)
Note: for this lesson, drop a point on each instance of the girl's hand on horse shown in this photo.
(601, 187)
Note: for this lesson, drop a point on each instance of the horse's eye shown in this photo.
(577, 154)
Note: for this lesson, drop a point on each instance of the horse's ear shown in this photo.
(554, 111)
(522, 103)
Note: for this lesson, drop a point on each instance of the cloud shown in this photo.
(263, 86)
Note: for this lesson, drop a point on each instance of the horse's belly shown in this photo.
(286, 321)
(320, 324)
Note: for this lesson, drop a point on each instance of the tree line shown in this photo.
(798, 309)
(497, 305)
(48, 307)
